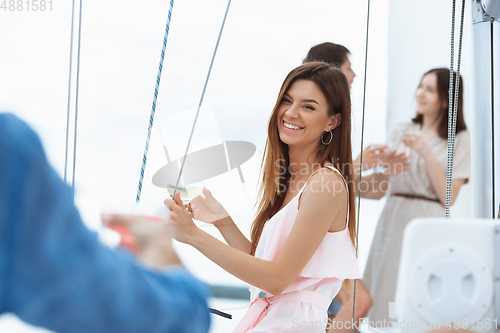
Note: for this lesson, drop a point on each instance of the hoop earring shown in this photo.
(331, 138)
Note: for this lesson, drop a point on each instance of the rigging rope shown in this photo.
(76, 92)
(202, 96)
(69, 89)
(153, 108)
(453, 102)
(361, 158)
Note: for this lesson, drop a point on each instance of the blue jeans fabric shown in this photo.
(334, 308)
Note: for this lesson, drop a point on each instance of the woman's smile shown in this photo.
(291, 127)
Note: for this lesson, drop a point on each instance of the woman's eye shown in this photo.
(308, 107)
(286, 100)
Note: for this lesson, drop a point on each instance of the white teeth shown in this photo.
(287, 125)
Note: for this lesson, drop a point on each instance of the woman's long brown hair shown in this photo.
(443, 85)
(275, 163)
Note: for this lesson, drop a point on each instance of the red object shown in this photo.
(127, 239)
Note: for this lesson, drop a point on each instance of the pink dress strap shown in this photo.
(307, 181)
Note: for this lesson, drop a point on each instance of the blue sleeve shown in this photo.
(53, 271)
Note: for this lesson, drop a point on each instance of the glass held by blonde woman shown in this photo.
(302, 244)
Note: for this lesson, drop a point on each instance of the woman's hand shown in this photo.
(184, 228)
(417, 143)
(372, 156)
(206, 208)
(396, 163)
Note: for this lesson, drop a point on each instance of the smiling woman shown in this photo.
(303, 114)
(302, 245)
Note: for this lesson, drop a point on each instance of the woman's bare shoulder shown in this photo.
(327, 181)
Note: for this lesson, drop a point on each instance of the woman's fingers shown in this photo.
(170, 204)
(207, 193)
(177, 199)
(405, 142)
(176, 211)
(411, 142)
